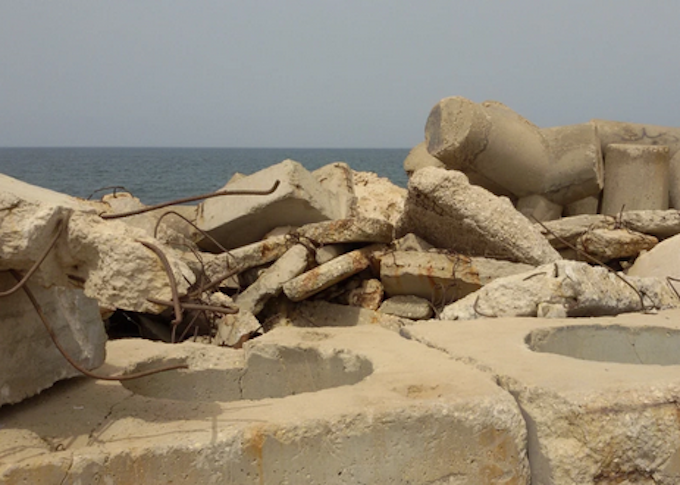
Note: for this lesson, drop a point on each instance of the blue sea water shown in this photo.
(162, 174)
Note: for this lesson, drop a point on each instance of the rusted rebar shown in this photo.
(70, 359)
(171, 278)
(192, 199)
(196, 306)
(114, 187)
(34, 268)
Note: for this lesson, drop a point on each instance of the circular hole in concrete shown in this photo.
(269, 372)
(610, 343)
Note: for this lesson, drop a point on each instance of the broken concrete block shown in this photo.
(355, 230)
(661, 261)
(330, 273)
(492, 140)
(441, 277)
(419, 158)
(621, 132)
(598, 395)
(636, 178)
(539, 208)
(378, 197)
(587, 205)
(607, 244)
(269, 284)
(245, 257)
(411, 242)
(233, 330)
(237, 220)
(576, 169)
(337, 178)
(660, 224)
(320, 313)
(407, 306)
(29, 359)
(368, 295)
(325, 253)
(583, 290)
(446, 210)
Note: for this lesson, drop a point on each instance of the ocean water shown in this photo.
(162, 174)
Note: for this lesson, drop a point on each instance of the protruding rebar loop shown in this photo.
(171, 277)
(196, 306)
(70, 359)
(596, 261)
(203, 233)
(60, 228)
(192, 199)
(114, 187)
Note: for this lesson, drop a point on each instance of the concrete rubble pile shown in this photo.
(500, 219)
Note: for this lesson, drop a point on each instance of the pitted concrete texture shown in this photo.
(360, 406)
(599, 395)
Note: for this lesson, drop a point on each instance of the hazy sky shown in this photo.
(317, 73)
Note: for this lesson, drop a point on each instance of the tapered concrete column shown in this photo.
(491, 141)
(636, 178)
(577, 169)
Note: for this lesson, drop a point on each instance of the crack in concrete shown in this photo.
(101, 425)
(68, 471)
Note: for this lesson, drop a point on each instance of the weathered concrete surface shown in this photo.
(595, 412)
(411, 242)
(447, 211)
(378, 197)
(419, 158)
(376, 410)
(583, 290)
(239, 220)
(607, 244)
(636, 178)
(577, 169)
(661, 261)
(338, 179)
(320, 313)
(354, 230)
(621, 132)
(330, 273)
(661, 224)
(587, 205)
(369, 294)
(674, 181)
(440, 277)
(539, 208)
(407, 306)
(29, 360)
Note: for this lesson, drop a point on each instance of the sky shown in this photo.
(321, 73)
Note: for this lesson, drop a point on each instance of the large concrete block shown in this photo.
(636, 178)
(318, 406)
(599, 396)
(443, 208)
(662, 261)
(338, 178)
(29, 360)
(378, 197)
(239, 220)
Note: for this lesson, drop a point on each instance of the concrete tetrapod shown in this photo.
(318, 406)
(599, 395)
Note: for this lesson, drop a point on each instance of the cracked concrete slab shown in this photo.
(359, 405)
(599, 395)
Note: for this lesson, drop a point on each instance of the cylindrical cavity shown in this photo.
(577, 169)
(620, 132)
(491, 141)
(635, 178)
(674, 181)
(539, 208)
(587, 205)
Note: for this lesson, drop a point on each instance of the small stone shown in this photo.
(407, 306)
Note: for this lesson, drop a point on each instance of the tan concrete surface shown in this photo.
(600, 400)
(312, 406)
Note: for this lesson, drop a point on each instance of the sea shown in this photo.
(157, 175)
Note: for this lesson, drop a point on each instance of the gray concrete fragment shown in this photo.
(355, 230)
(446, 210)
(636, 178)
(269, 284)
(662, 261)
(330, 273)
(239, 220)
(29, 360)
(441, 277)
(407, 306)
(338, 179)
(539, 208)
(234, 330)
(583, 290)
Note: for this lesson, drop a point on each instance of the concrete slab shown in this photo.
(329, 406)
(599, 395)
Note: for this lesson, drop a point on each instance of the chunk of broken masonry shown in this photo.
(583, 290)
(339, 180)
(243, 219)
(443, 208)
(419, 158)
(407, 306)
(357, 229)
(378, 197)
(30, 361)
(607, 244)
(636, 178)
(330, 273)
(441, 277)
